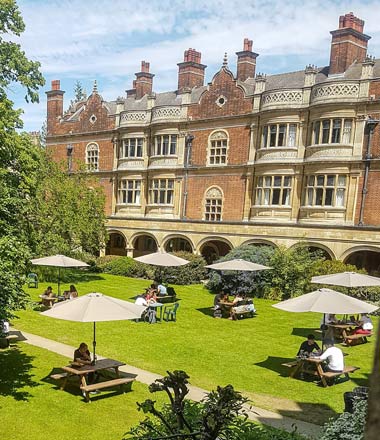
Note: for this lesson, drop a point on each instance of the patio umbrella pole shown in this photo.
(323, 331)
(59, 281)
(94, 344)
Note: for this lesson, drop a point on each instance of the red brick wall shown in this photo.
(238, 146)
(233, 188)
(222, 84)
(106, 184)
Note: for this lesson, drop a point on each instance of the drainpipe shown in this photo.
(188, 146)
(371, 124)
(69, 152)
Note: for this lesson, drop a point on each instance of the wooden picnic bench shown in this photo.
(356, 339)
(6, 340)
(164, 299)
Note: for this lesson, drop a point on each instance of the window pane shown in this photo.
(268, 181)
(330, 180)
(329, 196)
(272, 136)
(325, 131)
(320, 180)
(281, 135)
(277, 181)
(335, 137)
(347, 131)
(292, 135)
(266, 197)
(319, 196)
(265, 137)
(287, 180)
(173, 144)
(317, 126)
(310, 194)
(286, 197)
(341, 180)
(258, 196)
(311, 181)
(276, 196)
(339, 197)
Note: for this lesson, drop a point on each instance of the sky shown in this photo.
(106, 40)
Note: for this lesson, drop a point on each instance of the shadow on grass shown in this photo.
(360, 381)
(15, 374)
(275, 364)
(301, 331)
(208, 311)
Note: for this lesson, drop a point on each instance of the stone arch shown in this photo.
(328, 254)
(144, 243)
(175, 243)
(212, 248)
(259, 242)
(364, 257)
(117, 243)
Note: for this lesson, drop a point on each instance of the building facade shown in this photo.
(246, 159)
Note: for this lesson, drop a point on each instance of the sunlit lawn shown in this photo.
(246, 353)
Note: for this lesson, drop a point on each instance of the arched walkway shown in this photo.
(259, 242)
(211, 250)
(321, 249)
(365, 259)
(144, 244)
(116, 244)
(175, 244)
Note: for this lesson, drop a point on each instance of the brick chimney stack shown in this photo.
(191, 72)
(246, 61)
(348, 43)
(54, 104)
(144, 81)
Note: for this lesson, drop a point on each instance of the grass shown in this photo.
(246, 353)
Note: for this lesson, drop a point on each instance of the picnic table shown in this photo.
(100, 367)
(342, 332)
(313, 366)
(48, 301)
(151, 314)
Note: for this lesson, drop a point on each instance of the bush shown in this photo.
(124, 266)
(191, 273)
(248, 283)
(347, 426)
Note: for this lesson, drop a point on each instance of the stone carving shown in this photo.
(322, 152)
(167, 113)
(284, 97)
(132, 116)
(337, 90)
(163, 161)
(218, 135)
(125, 164)
(214, 193)
(275, 154)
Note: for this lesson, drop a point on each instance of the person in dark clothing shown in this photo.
(308, 346)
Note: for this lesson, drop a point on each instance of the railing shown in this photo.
(168, 113)
(134, 117)
(281, 98)
(341, 91)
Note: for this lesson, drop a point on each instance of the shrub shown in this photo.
(125, 266)
(248, 283)
(347, 426)
(191, 273)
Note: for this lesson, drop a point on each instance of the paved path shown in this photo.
(256, 414)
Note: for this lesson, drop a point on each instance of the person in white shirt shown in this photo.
(141, 301)
(334, 357)
(366, 322)
(161, 290)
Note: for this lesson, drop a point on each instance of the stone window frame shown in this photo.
(126, 148)
(129, 191)
(326, 190)
(333, 130)
(279, 135)
(161, 191)
(160, 148)
(274, 190)
(213, 204)
(92, 156)
(218, 148)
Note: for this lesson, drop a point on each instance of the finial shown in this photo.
(225, 60)
(95, 88)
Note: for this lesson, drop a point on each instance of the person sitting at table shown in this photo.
(141, 301)
(365, 325)
(334, 357)
(308, 346)
(161, 290)
(150, 296)
(328, 318)
(71, 293)
(237, 305)
(221, 296)
(82, 354)
(46, 297)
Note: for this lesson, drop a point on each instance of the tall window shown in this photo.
(129, 191)
(279, 135)
(218, 145)
(161, 192)
(92, 157)
(165, 145)
(326, 190)
(131, 147)
(273, 190)
(332, 131)
(213, 205)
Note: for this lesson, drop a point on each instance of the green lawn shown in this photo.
(246, 353)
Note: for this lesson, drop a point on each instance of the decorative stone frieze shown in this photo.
(276, 154)
(126, 164)
(283, 98)
(133, 117)
(163, 114)
(321, 152)
(345, 91)
(158, 162)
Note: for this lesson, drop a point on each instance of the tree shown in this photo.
(15, 161)
(80, 92)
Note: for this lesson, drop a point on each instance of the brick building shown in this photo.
(247, 158)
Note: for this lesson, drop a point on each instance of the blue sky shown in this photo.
(107, 39)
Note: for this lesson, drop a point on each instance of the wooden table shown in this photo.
(48, 301)
(100, 366)
(341, 332)
(226, 306)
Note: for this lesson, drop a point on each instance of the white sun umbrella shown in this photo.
(238, 264)
(162, 259)
(347, 279)
(59, 261)
(95, 307)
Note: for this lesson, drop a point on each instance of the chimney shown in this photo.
(191, 72)
(132, 92)
(54, 105)
(246, 61)
(144, 81)
(348, 44)
(367, 67)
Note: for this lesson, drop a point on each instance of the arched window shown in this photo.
(217, 148)
(213, 205)
(92, 156)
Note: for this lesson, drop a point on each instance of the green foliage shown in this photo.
(124, 266)
(79, 91)
(249, 283)
(347, 426)
(191, 273)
